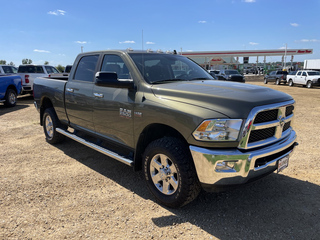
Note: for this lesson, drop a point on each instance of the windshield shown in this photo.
(313, 73)
(158, 68)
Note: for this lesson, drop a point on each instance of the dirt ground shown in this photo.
(69, 191)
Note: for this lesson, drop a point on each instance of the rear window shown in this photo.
(30, 69)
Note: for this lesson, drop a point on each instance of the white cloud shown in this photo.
(253, 43)
(202, 22)
(308, 40)
(249, 1)
(294, 24)
(41, 51)
(57, 12)
(150, 43)
(127, 42)
(81, 42)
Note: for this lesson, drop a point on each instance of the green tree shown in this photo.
(11, 64)
(60, 68)
(46, 63)
(4, 62)
(26, 61)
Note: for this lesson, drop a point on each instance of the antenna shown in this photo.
(142, 39)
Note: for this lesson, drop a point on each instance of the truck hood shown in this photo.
(235, 100)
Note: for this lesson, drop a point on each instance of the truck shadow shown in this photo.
(23, 102)
(278, 206)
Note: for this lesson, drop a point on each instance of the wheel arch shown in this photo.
(149, 134)
(13, 87)
(45, 103)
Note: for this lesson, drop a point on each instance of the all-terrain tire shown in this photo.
(50, 123)
(170, 173)
(11, 98)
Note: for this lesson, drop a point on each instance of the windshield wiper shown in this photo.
(169, 80)
(202, 79)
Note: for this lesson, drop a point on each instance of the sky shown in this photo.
(57, 31)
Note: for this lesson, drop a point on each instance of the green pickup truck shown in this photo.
(164, 114)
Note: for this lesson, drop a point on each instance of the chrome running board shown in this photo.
(96, 147)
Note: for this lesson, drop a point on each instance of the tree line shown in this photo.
(29, 61)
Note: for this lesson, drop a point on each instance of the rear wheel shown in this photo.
(11, 98)
(50, 123)
(265, 81)
(170, 173)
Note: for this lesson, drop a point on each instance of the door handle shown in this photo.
(70, 90)
(98, 95)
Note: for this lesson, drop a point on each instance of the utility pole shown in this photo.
(81, 49)
(285, 58)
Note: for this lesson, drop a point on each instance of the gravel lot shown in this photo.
(69, 191)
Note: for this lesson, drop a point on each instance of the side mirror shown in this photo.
(110, 79)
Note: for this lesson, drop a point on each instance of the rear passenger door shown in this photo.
(78, 93)
(113, 109)
(298, 77)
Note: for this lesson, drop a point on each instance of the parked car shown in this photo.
(214, 71)
(7, 69)
(10, 88)
(307, 78)
(230, 75)
(29, 72)
(276, 76)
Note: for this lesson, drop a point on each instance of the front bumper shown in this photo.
(227, 167)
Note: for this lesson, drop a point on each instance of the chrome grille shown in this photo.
(267, 124)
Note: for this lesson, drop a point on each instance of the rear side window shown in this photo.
(30, 69)
(86, 68)
(51, 69)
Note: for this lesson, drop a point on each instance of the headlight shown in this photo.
(218, 130)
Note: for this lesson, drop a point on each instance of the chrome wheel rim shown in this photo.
(12, 98)
(49, 126)
(164, 174)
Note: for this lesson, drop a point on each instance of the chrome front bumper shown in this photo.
(225, 167)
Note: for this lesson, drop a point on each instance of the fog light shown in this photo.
(226, 166)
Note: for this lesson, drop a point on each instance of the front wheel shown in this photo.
(11, 98)
(290, 83)
(278, 81)
(309, 84)
(265, 81)
(50, 123)
(170, 173)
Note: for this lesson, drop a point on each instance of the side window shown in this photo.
(86, 68)
(272, 73)
(51, 69)
(304, 74)
(299, 74)
(7, 69)
(114, 63)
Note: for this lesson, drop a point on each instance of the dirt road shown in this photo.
(69, 191)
